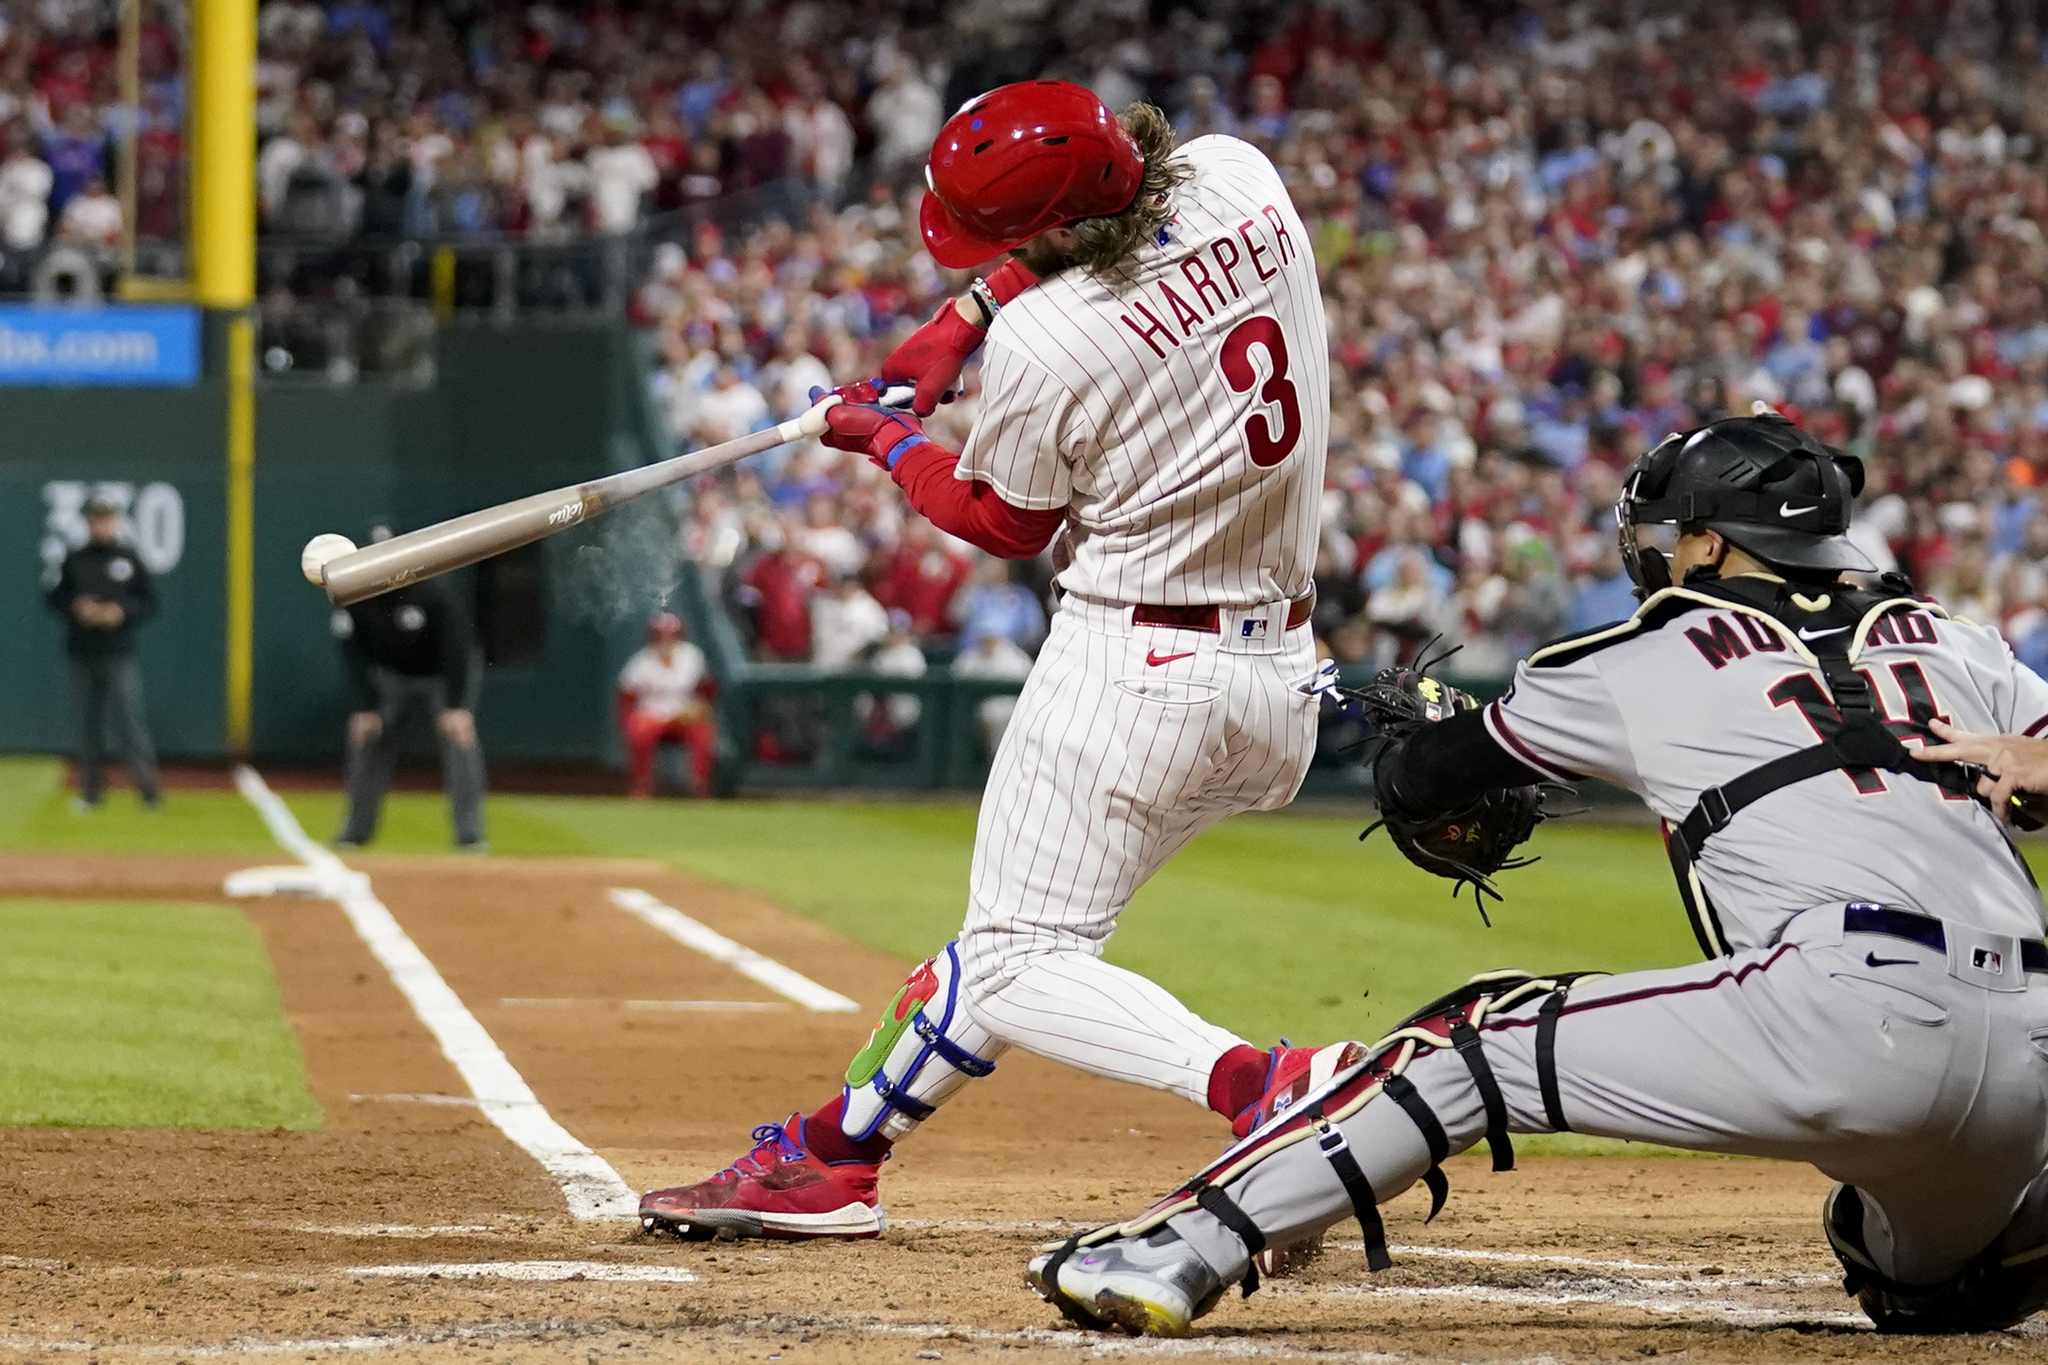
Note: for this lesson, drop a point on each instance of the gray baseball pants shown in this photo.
(367, 769)
(106, 698)
(1865, 1055)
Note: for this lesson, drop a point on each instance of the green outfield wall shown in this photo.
(509, 411)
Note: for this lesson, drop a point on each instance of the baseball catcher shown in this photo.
(1876, 984)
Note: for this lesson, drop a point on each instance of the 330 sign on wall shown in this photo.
(152, 520)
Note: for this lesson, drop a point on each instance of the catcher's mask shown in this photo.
(1761, 482)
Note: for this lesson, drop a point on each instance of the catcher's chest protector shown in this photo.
(1855, 736)
(1719, 695)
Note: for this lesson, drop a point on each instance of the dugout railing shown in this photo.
(789, 727)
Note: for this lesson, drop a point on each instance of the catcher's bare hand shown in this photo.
(2015, 766)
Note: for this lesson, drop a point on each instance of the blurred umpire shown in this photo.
(411, 651)
(103, 592)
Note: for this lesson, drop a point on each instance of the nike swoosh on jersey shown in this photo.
(1806, 634)
(1153, 658)
(1786, 509)
(1873, 960)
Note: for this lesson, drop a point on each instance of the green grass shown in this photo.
(1269, 924)
(36, 813)
(1273, 925)
(152, 1014)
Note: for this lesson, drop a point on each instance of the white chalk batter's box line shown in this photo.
(251, 1346)
(936, 1335)
(515, 1002)
(533, 1272)
(407, 1230)
(766, 971)
(587, 1181)
(1660, 1297)
(1665, 1268)
(1732, 1274)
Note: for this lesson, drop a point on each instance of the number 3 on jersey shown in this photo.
(1260, 442)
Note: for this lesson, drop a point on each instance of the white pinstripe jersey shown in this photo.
(1177, 407)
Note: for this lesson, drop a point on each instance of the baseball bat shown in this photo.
(462, 541)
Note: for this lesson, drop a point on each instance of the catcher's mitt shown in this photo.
(1467, 845)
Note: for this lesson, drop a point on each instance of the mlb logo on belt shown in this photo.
(1985, 960)
(1253, 630)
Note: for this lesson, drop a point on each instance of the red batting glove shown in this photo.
(933, 356)
(865, 427)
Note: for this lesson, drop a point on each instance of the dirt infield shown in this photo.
(410, 1228)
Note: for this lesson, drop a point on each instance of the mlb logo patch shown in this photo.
(1985, 960)
(1253, 630)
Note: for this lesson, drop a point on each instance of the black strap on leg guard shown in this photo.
(1403, 1092)
(1072, 1309)
(1546, 1061)
(1465, 1038)
(1224, 1210)
(1364, 1203)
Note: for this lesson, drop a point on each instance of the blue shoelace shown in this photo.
(767, 1133)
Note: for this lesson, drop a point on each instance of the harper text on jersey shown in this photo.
(1202, 283)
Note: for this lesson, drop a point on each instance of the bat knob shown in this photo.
(812, 423)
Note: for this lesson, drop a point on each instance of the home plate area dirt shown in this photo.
(410, 1229)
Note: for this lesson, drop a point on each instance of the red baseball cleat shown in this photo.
(1293, 1072)
(778, 1190)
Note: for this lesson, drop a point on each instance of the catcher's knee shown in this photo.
(1996, 1290)
(925, 1046)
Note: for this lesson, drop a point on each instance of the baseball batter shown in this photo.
(1156, 393)
(1875, 997)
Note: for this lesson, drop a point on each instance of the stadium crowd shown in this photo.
(1547, 240)
(1549, 234)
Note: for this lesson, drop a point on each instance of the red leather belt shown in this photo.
(1210, 619)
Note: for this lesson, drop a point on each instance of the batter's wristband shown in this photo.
(984, 299)
(902, 448)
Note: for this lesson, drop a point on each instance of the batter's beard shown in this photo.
(1042, 257)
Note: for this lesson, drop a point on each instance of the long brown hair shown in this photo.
(1102, 244)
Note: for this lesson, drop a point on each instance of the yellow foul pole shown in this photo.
(222, 242)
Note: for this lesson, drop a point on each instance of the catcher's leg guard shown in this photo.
(1452, 1023)
(924, 1047)
(1996, 1290)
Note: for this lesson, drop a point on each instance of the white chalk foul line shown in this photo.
(742, 959)
(592, 1188)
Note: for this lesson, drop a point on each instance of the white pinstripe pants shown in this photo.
(1126, 743)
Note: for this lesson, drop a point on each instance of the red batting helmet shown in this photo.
(1019, 160)
(664, 625)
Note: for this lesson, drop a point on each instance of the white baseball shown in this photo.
(321, 549)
